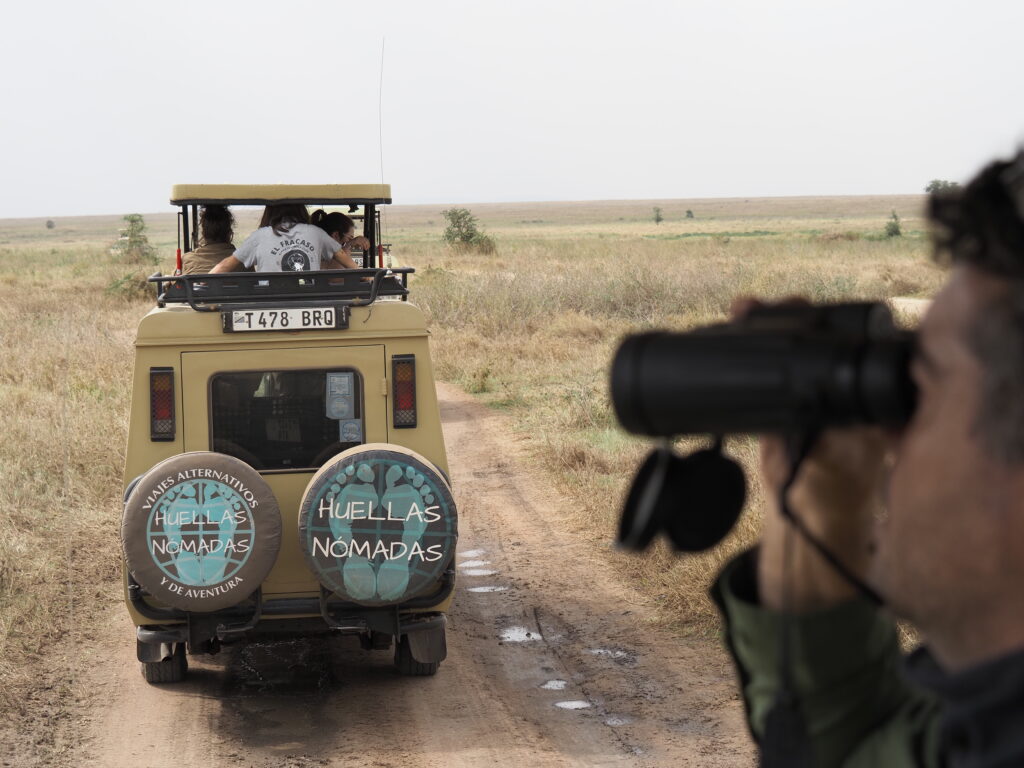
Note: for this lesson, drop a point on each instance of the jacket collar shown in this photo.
(983, 711)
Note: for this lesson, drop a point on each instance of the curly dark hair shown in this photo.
(982, 225)
(216, 224)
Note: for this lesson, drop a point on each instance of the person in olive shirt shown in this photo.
(217, 230)
(948, 552)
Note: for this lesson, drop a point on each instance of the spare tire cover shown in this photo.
(201, 531)
(378, 525)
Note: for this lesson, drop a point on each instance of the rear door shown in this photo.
(285, 412)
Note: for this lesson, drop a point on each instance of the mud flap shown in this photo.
(429, 645)
(151, 652)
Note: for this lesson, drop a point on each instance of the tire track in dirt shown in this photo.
(558, 629)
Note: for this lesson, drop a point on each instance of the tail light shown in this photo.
(161, 403)
(403, 389)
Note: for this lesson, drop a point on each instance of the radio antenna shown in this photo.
(380, 147)
(380, 102)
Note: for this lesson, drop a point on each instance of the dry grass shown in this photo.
(531, 329)
(64, 377)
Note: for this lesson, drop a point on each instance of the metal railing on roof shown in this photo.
(213, 292)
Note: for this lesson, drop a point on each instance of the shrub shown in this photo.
(940, 185)
(658, 218)
(480, 380)
(689, 213)
(50, 224)
(892, 226)
(131, 287)
(462, 231)
(133, 245)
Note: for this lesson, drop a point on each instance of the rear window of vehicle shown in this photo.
(286, 420)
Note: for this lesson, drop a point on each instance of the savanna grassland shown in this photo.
(532, 328)
(529, 329)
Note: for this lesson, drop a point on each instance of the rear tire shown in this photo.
(170, 670)
(407, 665)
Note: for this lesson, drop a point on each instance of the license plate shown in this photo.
(292, 319)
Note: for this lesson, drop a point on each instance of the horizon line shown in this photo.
(173, 208)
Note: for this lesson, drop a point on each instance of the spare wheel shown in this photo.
(201, 531)
(378, 525)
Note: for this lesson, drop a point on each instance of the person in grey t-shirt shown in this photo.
(287, 242)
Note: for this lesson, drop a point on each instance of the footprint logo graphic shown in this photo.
(406, 503)
(195, 503)
(188, 565)
(357, 572)
(218, 507)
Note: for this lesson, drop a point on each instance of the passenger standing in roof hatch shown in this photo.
(342, 229)
(287, 242)
(217, 230)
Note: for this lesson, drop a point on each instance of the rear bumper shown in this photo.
(418, 622)
(308, 615)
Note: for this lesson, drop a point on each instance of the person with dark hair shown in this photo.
(287, 242)
(341, 228)
(931, 518)
(217, 230)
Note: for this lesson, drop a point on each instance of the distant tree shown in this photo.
(133, 245)
(892, 226)
(689, 213)
(50, 224)
(940, 185)
(658, 218)
(463, 231)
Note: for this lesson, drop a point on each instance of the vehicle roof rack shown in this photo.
(246, 290)
(267, 194)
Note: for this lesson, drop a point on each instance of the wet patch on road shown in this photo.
(616, 720)
(576, 704)
(518, 635)
(285, 666)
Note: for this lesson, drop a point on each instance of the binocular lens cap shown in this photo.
(694, 500)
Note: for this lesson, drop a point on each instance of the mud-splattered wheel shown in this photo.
(170, 670)
(407, 664)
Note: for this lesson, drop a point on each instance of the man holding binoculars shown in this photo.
(922, 511)
(948, 553)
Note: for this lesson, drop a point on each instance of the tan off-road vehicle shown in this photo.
(285, 471)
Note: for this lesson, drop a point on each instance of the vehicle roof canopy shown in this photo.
(267, 194)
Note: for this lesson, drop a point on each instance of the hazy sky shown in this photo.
(107, 104)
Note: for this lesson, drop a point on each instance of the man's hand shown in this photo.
(836, 494)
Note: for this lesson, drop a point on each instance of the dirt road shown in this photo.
(551, 662)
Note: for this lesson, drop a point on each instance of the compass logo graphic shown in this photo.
(295, 261)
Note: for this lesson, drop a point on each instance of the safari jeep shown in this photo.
(285, 471)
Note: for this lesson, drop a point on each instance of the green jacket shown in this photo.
(858, 706)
